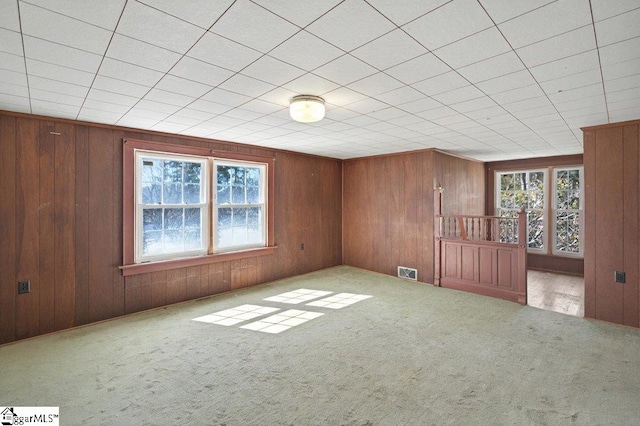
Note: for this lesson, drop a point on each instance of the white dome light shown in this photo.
(307, 108)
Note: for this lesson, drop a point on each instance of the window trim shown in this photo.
(129, 267)
(545, 218)
(554, 210)
(549, 208)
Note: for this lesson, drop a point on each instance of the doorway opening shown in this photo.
(556, 292)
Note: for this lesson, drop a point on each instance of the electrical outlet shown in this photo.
(620, 277)
(24, 287)
(301, 246)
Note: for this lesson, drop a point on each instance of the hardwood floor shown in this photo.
(556, 292)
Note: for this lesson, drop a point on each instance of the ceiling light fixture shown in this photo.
(307, 108)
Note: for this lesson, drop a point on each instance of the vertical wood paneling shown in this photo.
(64, 248)
(505, 268)
(8, 283)
(27, 226)
(64, 233)
(82, 225)
(609, 238)
(590, 224)
(630, 220)
(101, 210)
(46, 210)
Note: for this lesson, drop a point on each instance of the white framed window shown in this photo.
(567, 215)
(172, 214)
(519, 189)
(553, 198)
(188, 205)
(239, 206)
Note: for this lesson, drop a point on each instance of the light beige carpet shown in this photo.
(411, 354)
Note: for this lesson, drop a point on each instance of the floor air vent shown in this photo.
(407, 273)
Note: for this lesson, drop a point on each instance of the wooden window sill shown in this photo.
(147, 267)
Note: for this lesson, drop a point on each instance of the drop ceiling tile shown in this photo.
(580, 103)
(527, 104)
(520, 93)
(200, 72)
(339, 27)
(222, 52)
(54, 109)
(479, 103)
(12, 77)
(10, 42)
(272, 71)
(366, 106)
(342, 96)
(603, 9)
(14, 90)
(623, 83)
(57, 72)
(118, 86)
(436, 113)
(98, 116)
(619, 28)
(566, 66)
(211, 108)
(9, 17)
(418, 69)
(181, 36)
(375, 84)
(620, 52)
(242, 115)
(451, 22)
(420, 105)
(199, 12)
(114, 110)
(389, 50)
(58, 86)
(581, 79)
(487, 69)
(400, 95)
(621, 69)
(461, 94)
(170, 98)
(225, 97)
(261, 107)
(113, 98)
(44, 95)
(44, 24)
(310, 84)
(562, 46)
(406, 120)
(86, 10)
(387, 114)
(534, 112)
(253, 26)
(136, 122)
(11, 62)
(123, 71)
(577, 94)
(506, 82)
(623, 95)
(171, 83)
(341, 114)
(622, 115)
(483, 114)
(402, 11)
(475, 48)
(140, 53)
(309, 10)
(146, 114)
(344, 70)
(441, 83)
(503, 10)
(546, 22)
(169, 127)
(191, 116)
(58, 54)
(306, 51)
(279, 96)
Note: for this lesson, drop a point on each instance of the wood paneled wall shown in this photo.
(543, 262)
(61, 227)
(612, 223)
(388, 207)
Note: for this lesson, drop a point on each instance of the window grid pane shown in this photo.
(567, 214)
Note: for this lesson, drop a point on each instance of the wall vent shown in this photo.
(408, 273)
